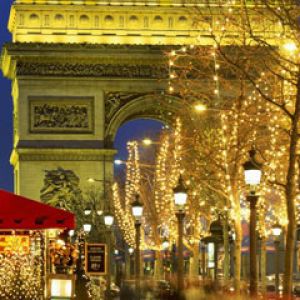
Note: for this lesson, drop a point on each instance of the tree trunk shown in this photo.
(226, 251)
(127, 265)
(237, 255)
(158, 267)
(290, 193)
(194, 262)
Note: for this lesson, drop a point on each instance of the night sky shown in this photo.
(137, 129)
(6, 173)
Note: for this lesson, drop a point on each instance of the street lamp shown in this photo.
(87, 227)
(216, 230)
(276, 232)
(180, 198)
(147, 141)
(108, 221)
(252, 172)
(165, 244)
(88, 210)
(137, 212)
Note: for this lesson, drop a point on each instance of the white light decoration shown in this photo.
(71, 232)
(290, 46)
(180, 193)
(60, 242)
(199, 107)
(108, 220)
(87, 227)
(137, 208)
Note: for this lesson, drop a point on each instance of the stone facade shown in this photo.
(80, 69)
(147, 22)
(68, 119)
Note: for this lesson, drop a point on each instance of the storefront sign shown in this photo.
(95, 259)
(14, 244)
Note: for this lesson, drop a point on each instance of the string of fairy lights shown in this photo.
(132, 187)
(21, 276)
(277, 150)
(244, 118)
(22, 269)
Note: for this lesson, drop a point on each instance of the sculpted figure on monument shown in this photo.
(61, 188)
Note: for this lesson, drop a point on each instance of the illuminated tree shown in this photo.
(274, 76)
(21, 276)
(268, 74)
(155, 185)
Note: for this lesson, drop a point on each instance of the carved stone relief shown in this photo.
(115, 100)
(61, 115)
(94, 70)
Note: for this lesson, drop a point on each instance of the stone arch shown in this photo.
(157, 107)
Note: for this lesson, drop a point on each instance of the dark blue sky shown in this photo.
(129, 131)
(6, 174)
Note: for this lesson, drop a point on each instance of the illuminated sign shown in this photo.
(14, 244)
(95, 259)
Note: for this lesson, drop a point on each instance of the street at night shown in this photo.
(149, 149)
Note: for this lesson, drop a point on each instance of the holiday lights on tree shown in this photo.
(21, 271)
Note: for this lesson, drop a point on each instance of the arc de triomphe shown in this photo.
(80, 69)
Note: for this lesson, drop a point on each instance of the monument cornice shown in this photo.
(85, 60)
(60, 155)
(135, 23)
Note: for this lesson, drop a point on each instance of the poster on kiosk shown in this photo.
(95, 259)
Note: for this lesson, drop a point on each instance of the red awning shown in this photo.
(17, 212)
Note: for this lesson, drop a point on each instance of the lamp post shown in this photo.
(276, 232)
(252, 172)
(231, 242)
(216, 230)
(165, 246)
(180, 197)
(137, 211)
(129, 263)
(108, 221)
(81, 282)
(203, 261)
